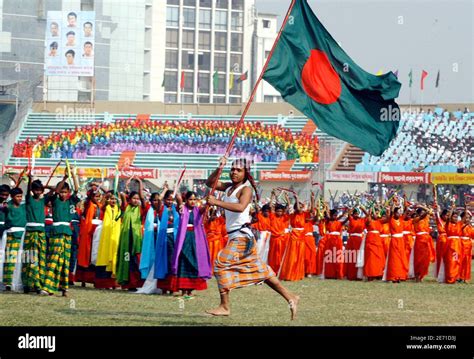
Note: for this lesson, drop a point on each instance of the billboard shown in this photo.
(285, 176)
(403, 177)
(69, 43)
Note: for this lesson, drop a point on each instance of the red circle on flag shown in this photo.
(320, 81)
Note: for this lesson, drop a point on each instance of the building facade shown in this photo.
(266, 31)
(175, 51)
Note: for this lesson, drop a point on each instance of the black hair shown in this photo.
(266, 207)
(72, 14)
(70, 52)
(189, 194)
(444, 212)
(153, 195)
(133, 193)
(87, 42)
(71, 33)
(88, 22)
(15, 191)
(66, 186)
(168, 193)
(37, 185)
(419, 211)
(332, 212)
(54, 23)
(5, 188)
(279, 206)
(54, 45)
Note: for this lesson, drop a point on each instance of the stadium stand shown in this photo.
(96, 140)
(436, 141)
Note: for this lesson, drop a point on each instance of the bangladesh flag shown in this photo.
(316, 76)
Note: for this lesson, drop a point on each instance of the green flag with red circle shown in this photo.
(314, 74)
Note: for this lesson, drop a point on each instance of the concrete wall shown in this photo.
(256, 109)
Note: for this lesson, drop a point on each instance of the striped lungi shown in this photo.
(34, 268)
(238, 265)
(57, 273)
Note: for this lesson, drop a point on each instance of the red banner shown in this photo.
(403, 178)
(285, 176)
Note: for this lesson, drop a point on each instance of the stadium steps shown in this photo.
(349, 158)
(43, 124)
(145, 160)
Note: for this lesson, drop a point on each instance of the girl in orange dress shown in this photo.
(333, 267)
(424, 251)
(374, 253)
(396, 268)
(441, 221)
(292, 267)
(279, 228)
(466, 247)
(356, 234)
(452, 253)
(320, 249)
(262, 225)
(409, 237)
(213, 230)
(310, 248)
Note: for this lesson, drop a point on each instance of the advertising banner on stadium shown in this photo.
(92, 172)
(142, 173)
(38, 171)
(403, 178)
(190, 174)
(452, 178)
(285, 176)
(46, 171)
(342, 176)
(70, 43)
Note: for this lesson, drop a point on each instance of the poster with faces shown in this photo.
(70, 43)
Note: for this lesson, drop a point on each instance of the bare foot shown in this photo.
(293, 304)
(220, 311)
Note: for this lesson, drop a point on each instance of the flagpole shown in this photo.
(410, 100)
(252, 95)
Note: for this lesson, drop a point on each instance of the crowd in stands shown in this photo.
(266, 143)
(429, 141)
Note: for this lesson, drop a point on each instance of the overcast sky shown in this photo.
(389, 35)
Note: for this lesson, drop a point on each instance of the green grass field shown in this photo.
(323, 303)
